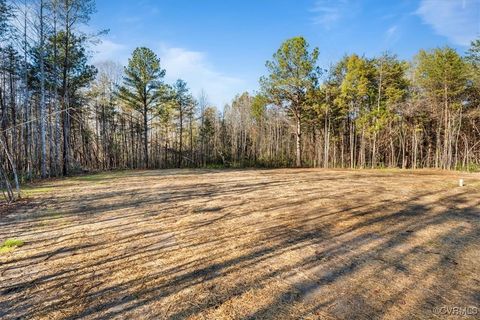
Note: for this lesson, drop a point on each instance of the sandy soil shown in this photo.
(245, 244)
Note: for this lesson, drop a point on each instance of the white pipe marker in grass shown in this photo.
(460, 182)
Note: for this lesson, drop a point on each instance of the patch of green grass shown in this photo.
(215, 166)
(96, 177)
(56, 215)
(473, 167)
(33, 190)
(50, 217)
(10, 245)
(92, 177)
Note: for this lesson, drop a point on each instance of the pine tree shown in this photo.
(140, 90)
(293, 72)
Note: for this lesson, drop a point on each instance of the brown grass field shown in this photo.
(245, 244)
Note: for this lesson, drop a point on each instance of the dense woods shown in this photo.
(60, 115)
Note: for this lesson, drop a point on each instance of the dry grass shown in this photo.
(279, 244)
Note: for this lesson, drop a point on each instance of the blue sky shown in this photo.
(221, 46)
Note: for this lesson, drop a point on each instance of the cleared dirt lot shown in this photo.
(246, 244)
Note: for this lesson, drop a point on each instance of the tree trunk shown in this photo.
(145, 134)
(43, 144)
(326, 143)
(56, 110)
(66, 102)
(298, 134)
(27, 106)
(180, 148)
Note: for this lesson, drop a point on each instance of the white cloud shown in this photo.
(192, 66)
(391, 31)
(108, 50)
(197, 71)
(392, 35)
(458, 20)
(328, 12)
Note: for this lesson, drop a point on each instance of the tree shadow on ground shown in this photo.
(248, 246)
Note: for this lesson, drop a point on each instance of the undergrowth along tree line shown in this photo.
(60, 115)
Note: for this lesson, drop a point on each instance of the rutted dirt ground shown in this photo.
(245, 244)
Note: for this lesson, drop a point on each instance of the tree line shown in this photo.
(61, 116)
